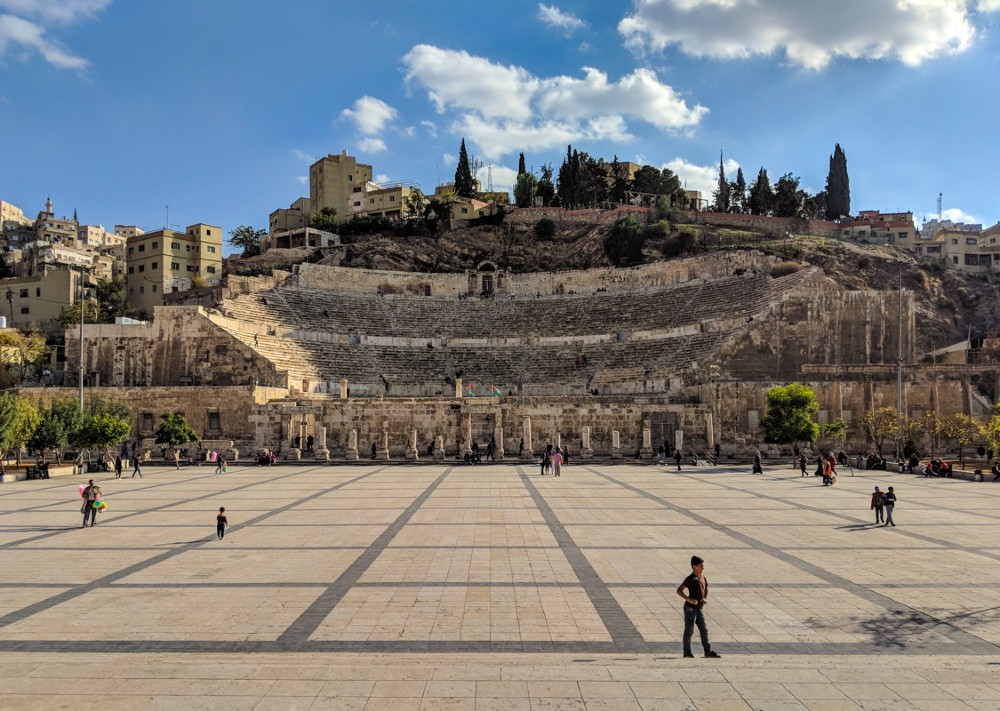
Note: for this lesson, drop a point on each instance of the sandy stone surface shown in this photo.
(440, 587)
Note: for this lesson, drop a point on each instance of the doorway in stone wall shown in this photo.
(663, 427)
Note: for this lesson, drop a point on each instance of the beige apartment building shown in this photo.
(169, 261)
(339, 181)
(96, 237)
(287, 219)
(875, 227)
(38, 300)
(12, 214)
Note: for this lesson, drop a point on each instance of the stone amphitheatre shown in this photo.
(591, 358)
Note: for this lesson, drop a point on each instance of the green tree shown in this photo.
(619, 182)
(104, 424)
(521, 170)
(738, 193)
(25, 421)
(963, 430)
(838, 186)
(721, 193)
(790, 409)
(624, 242)
(761, 197)
(990, 430)
(414, 204)
(524, 191)
(836, 431)
(246, 239)
(814, 207)
(788, 199)
(174, 430)
(546, 189)
(325, 219)
(57, 423)
(545, 229)
(465, 186)
(24, 352)
(112, 299)
(70, 315)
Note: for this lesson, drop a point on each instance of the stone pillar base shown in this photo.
(322, 454)
(382, 455)
(586, 453)
(233, 455)
(616, 452)
(293, 455)
(645, 453)
(351, 455)
(412, 455)
(527, 454)
(439, 454)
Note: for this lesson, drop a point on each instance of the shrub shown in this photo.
(545, 229)
(781, 269)
(624, 242)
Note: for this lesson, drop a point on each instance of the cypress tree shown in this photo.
(761, 194)
(722, 191)
(738, 197)
(464, 185)
(838, 186)
(521, 170)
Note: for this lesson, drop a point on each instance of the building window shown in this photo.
(130, 251)
(24, 293)
(192, 268)
(175, 245)
(154, 288)
(147, 422)
(142, 290)
(155, 245)
(392, 198)
(156, 265)
(175, 267)
(971, 240)
(955, 259)
(371, 201)
(131, 270)
(465, 210)
(142, 248)
(971, 260)
(131, 292)
(208, 231)
(211, 249)
(357, 203)
(38, 292)
(954, 241)
(357, 189)
(214, 422)
(24, 309)
(142, 268)
(210, 270)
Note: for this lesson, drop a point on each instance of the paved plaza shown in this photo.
(491, 587)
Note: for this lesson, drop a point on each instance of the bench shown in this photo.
(40, 471)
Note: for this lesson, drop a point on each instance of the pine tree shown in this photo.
(464, 185)
(761, 195)
(738, 196)
(838, 186)
(521, 170)
(721, 194)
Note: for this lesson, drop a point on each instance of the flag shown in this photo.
(496, 390)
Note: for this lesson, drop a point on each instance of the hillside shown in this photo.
(950, 303)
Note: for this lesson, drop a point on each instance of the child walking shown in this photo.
(221, 523)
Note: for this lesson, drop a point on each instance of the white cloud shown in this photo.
(506, 108)
(956, 214)
(54, 11)
(809, 33)
(371, 145)
(370, 115)
(701, 177)
(448, 159)
(552, 16)
(988, 5)
(303, 156)
(504, 178)
(19, 31)
(381, 178)
(431, 128)
(302, 179)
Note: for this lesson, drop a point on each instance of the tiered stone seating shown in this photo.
(300, 318)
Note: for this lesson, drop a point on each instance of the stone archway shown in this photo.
(486, 279)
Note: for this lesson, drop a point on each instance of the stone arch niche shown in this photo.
(487, 279)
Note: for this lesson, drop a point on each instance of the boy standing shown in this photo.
(890, 504)
(221, 523)
(694, 590)
(878, 503)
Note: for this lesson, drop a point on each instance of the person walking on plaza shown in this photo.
(694, 590)
(890, 504)
(137, 468)
(677, 458)
(90, 494)
(802, 465)
(220, 464)
(757, 468)
(557, 460)
(878, 505)
(118, 466)
(221, 522)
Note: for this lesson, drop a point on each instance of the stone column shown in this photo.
(411, 452)
(586, 452)
(646, 451)
(498, 439)
(439, 448)
(382, 453)
(458, 387)
(679, 440)
(343, 389)
(616, 445)
(352, 447)
(293, 453)
(527, 452)
(709, 429)
(319, 446)
(556, 441)
(466, 445)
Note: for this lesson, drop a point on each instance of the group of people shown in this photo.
(882, 504)
(265, 458)
(552, 460)
(661, 456)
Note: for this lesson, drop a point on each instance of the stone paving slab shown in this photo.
(439, 587)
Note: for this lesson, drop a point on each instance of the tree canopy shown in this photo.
(325, 219)
(790, 409)
(838, 186)
(246, 239)
(174, 430)
(465, 185)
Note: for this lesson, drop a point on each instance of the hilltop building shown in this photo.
(169, 261)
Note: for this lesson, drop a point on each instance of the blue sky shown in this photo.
(216, 107)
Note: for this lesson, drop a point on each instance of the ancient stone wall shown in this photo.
(820, 228)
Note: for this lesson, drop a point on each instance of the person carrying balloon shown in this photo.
(91, 503)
